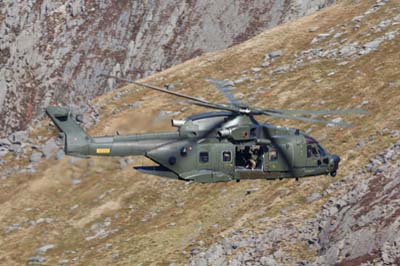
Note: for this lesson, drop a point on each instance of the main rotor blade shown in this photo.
(281, 151)
(305, 119)
(224, 87)
(217, 106)
(157, 89)
(317, 112)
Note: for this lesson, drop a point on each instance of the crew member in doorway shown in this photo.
(251, 157)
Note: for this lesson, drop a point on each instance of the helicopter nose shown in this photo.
(334, 164)
(336, 159)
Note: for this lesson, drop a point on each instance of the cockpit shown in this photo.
(314, 149)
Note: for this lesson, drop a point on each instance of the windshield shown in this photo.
(314, 148)
(321, 150)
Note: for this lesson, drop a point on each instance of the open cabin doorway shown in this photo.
(249, 157)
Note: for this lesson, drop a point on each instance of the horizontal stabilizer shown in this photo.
(157, 170)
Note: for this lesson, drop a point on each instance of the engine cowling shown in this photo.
(224, 133)
(238, 133)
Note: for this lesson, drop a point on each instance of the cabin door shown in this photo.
(280, 160)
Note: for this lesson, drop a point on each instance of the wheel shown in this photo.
(333, 174)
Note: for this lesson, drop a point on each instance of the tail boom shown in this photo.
(78, 143)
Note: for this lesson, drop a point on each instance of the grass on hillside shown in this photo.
(155, 221)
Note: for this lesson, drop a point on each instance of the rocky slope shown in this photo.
(357, 225)
(54, 50)
(57, 210)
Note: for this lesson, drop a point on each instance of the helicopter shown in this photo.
(224, 145)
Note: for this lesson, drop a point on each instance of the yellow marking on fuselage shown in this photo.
(103, 151)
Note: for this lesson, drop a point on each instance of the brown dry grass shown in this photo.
(209, 211)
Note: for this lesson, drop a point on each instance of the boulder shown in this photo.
(122, 164)
(215, 253)
(268, 261)
(275, 54)
(251, 190)
(36, 157)
(241, 80)
(357, 18)
(3, 151)
(60, 154)
(348, 50)
(280, 70)
(18, 137)
(135, 104)
(313, 197)
(4, 142)
(36, 259)
(320, 37)
(50, 148)
(15, 148)
(45, 248)
(373, 45)
(76, 181)
(63, 262)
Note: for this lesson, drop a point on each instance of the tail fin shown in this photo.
(76, 140)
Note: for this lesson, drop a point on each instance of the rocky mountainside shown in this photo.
(54, 50)
(357, 225)
(59, 210)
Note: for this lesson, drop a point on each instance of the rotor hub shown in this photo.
(245, 110)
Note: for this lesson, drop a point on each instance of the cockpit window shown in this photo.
(310, 140)
(312, 151)
(321, 150)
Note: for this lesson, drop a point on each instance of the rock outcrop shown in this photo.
(54, 50)
(361, 224)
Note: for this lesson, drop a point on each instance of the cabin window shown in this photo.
(273, 155)
(184, 152)
(227, 156)
(253, 132)
(172, 160)
(204, 158)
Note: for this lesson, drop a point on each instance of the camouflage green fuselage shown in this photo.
(210, 147)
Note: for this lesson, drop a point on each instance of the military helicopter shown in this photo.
(215, 146)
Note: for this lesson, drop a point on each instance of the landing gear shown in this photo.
(333, 174)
